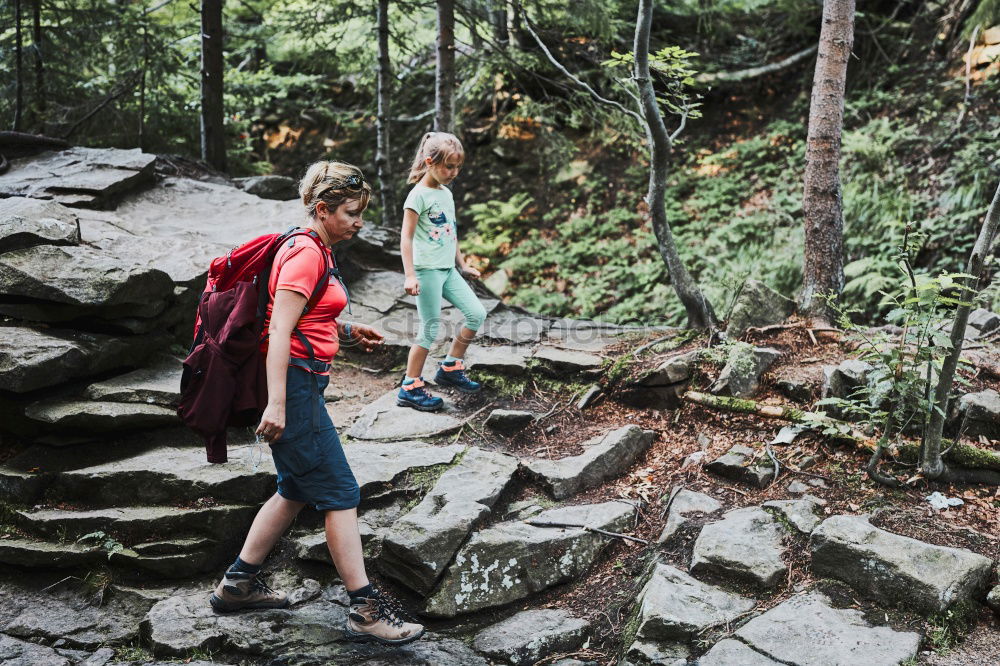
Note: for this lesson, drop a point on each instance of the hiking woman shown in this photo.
(307, 453)
(435, 268)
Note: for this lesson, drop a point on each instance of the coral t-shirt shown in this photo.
(297, 267)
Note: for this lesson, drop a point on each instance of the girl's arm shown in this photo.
(411, 285)
(285, 315)
(463, 268)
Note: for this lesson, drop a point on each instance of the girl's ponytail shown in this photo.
(437, 146)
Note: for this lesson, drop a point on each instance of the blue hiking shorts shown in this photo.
(308, 456)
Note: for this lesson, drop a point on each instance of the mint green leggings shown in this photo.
(436, 283)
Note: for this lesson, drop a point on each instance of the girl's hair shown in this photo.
(438, 146)
(334, 183)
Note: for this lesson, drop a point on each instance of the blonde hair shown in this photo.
(333, 183)
(438, 146)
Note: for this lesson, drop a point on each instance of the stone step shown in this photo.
(745, 547)
(138, 523)
(35, 554)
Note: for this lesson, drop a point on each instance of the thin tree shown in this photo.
(18, 71)
(213, 143)
(383, 85)
(699, 310)
(931, 461)
(823, 262)
(36, 45)
(444, 79)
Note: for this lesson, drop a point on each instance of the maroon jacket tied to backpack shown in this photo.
(224, 382)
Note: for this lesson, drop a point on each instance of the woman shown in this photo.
(308, 457)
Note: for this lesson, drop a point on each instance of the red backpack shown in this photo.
(223, 382)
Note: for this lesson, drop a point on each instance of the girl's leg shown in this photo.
(415, 361)
(461, 342)
(344, 541)
(458, 292)
(429, 311)
(273, 520)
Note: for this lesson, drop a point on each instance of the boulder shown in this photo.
(605, 457)
(842, 380)
(674, 370)
(745, 546)
(27, 222)
(506, 325)
(514, 560)
(158, 384)
(800, 513)
(993, 599)
(566, 361)
(528, 636)
(31, 359)
(757, 306)
(794, 388)
(14, 652)
(731, 652)
(687, 503)
(589, 397)
(385, 420)
(984, 321)
(85, 177)
(808, 631)
(418, 547)
(656, 653)
(741, 375)
(379, 290)
(673, 606)
(894, 569)
(100, 417)
(280, 188)
(982, 413)
(738, 464)
(79, 275)
(509, 421)
(499, 359)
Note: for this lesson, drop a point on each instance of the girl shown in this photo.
(309, 459)
(435, 267)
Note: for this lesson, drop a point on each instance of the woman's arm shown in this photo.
(411, 285)
(285, 313)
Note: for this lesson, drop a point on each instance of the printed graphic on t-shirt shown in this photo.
(442, 229)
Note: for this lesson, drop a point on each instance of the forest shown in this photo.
(738, 266)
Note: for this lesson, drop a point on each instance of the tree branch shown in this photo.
(756, 72)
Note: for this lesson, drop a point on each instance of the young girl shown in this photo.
(435, 267)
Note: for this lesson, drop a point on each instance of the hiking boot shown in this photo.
(239, 590)
(416, 396)
(380, 619)
(452, 373)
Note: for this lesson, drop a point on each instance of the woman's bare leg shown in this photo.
(344, 541)
(273, 520)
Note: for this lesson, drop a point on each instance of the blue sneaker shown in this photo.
(416, 396)
(452, 373)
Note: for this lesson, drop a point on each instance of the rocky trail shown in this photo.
(577, 511)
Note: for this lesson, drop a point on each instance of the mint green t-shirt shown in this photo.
(436, 236)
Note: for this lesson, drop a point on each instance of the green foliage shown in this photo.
(672, 63)
(498, 224)
(101, 539)
(947, 628)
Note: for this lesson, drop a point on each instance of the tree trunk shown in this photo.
(18, 71)
(931, 461)
(36, 42)
(213, 143)
(823, 267)
(142, 85)
(498, 19)
(699, 310)
(383, 83)
(444, 81)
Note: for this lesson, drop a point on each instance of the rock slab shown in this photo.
(686, 503)
(757, 305)
(604, 458)
(744, 546)
(528, 636)
(738, 464)
(894, 569)
(26, 222)
(385, 420)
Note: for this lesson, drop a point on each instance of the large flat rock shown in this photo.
(385, 420)
(605, 457)
(418, 547)
(33, 554)
(731, 652)
(740, 463)
(78, 176)
(528, 636)
(745, 546)
(157, 384)
(808, 631)
(500, 359)
(26, 222)
(513, 560)
(100, 417)
(31, 359)
(687, 503)
(894, 569)
(383, 466)
(675, 606)
(566, 361)
(14, 652)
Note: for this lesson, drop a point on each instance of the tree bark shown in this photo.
(823, 266)
(931, 461)
(444, 80)
(213, 142)
(699, 310)
(18, 70)
(498, 19)
(383, 92)
(36, 43)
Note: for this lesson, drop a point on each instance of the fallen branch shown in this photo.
(587, 528)
(755, 72)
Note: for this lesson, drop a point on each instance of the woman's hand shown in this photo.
(470, 272)
(367, 337)
(272, 422)
(412, 286)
